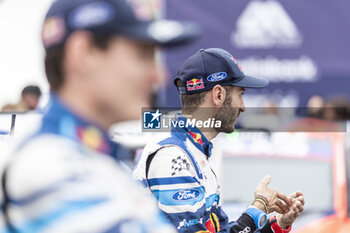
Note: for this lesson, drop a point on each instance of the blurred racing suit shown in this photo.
(65, 178)
(177, 170)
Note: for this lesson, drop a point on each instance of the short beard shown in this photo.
(227, 115)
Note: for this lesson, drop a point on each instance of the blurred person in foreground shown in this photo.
(100, 66)
(30, 97)
(177, 168)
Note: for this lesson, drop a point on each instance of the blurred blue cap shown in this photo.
(109, 17)
(209, 67)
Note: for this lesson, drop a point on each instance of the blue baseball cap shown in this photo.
(109, 17)
(209, 67)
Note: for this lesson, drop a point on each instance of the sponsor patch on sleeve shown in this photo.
(189, 196)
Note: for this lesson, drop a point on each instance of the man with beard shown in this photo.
(177, 169)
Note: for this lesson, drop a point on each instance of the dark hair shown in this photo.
(31, 90)
(54, 60)
(191, 102)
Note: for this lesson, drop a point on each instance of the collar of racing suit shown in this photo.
(61, 120)
(195, 135)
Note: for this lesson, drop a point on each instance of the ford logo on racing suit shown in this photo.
(216, 76)
(185, 194)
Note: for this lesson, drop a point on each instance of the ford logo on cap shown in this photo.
(185, 194)
(217, 77)
(91, 15)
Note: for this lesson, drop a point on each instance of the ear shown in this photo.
(218, 95)
(77, 48)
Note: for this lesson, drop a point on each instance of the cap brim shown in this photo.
(251, 82)
(165, 33)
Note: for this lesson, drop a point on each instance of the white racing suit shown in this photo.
(65, 178)
(176, 169)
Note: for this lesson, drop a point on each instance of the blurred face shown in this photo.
(31, 101)
(121, 78)
(231, 108)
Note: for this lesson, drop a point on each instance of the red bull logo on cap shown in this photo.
(195, 84)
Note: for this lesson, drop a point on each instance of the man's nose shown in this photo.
(154, 74)
(158, 74)
(242, 108)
